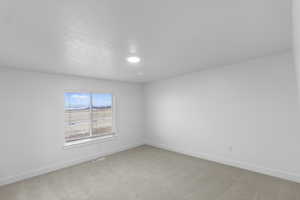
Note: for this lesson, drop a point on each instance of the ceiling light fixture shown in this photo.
(133, 59)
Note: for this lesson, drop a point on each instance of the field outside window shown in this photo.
(88, 115)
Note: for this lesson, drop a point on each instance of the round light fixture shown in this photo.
(133, 59)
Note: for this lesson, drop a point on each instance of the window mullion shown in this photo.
(91, 114)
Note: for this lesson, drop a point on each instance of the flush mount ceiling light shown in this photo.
(133, 59)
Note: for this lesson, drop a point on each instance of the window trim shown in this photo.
(95, 139)
(89, 141)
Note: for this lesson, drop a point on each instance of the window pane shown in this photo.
(77, 116)
(102, 114)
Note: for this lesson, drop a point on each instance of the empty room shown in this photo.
(149, 100)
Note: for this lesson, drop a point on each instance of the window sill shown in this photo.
(88, 141)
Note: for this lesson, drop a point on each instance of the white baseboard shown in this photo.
(259, 169)
(218, 159)
(57, 166)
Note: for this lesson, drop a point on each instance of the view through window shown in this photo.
(88, 115)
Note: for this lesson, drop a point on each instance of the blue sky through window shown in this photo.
(102, 100)
(82, 100)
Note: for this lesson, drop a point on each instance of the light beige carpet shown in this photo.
(150, 173)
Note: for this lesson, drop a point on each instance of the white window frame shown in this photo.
(96, 139)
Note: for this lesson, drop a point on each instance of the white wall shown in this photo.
(250, 107)
(32, 122)
(296, 38)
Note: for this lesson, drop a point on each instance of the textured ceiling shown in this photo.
(93, 37)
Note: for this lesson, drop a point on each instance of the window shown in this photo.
(88, 115)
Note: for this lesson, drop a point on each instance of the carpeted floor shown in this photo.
(148, 173)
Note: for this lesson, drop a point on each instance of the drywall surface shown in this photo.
(32, 122)
(296, 38)
(244, 115)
